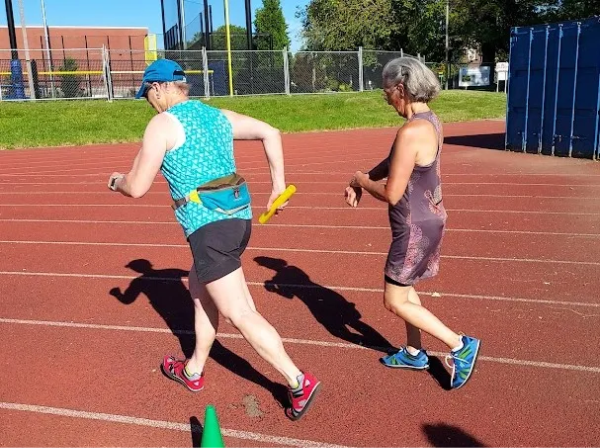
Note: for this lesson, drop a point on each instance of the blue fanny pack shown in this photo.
(228, 195)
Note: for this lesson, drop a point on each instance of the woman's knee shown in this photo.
(395, 298)
(237, 315)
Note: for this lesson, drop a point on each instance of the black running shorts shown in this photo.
(217, 248)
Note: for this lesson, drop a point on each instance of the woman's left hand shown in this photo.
(352, 196)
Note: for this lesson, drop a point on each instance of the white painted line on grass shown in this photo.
(519, 362)
(160, 424)
(317, 287)
(296, 250)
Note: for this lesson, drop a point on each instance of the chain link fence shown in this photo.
(117, 74)
(60, 74)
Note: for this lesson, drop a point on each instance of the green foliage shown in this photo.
(270, 20)
(337, 25)
(239, 41)
(488, 22)
(70, 84)
(419, 26)
(578, 9)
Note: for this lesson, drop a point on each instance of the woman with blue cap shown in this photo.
(191, 144)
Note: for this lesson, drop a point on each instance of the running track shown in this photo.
(80, 360)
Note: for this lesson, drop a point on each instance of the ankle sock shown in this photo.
(190, 376)
(459, 347)
(413, 351)
(300, 380)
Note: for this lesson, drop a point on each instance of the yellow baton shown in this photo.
(282, 199)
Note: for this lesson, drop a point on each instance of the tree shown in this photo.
(578, 9)
(70, 84)
(488, 22)
(337, 25)
(219, 39)
(238, 38)
(420, 27)
(270, 21)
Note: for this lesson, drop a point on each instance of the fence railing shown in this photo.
(110, 74)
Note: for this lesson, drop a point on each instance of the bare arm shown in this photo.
(147, 162)
(248, 128)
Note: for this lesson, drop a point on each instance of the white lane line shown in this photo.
(297, 250)
(298, 226)
(125, 167)
(335, 194)
(352, 210)
(332, 194)
(444, 175)
(317, 287)
(519, 362)
(119, 160)
(12, 182)
(83, 221)
(290, 174)
(160, 424)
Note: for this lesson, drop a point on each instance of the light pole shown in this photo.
(12, 35)
(48, 55)
(26, 45)
(447, 42)
(249, 23)
(183, 30)
(228, 32)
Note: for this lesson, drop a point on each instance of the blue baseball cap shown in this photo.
(161, 70)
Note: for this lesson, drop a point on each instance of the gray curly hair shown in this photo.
(419, 81)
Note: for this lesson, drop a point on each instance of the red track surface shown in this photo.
(519, 271)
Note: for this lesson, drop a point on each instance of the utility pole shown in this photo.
(48, 55)
(207, 19)
(26, 45)
(183, 25)
(12, 34)
(249, 23)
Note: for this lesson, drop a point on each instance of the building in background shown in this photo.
(74, 66)
(119, 40)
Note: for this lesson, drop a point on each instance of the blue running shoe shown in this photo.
(404, 360)
(464, 361)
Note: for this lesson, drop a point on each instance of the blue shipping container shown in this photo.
(554, 89)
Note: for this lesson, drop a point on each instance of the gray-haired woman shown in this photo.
(416, 214)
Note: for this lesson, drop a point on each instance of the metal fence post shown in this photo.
(361, 70)
(286, 71)
(104, 74)
(107, 73)
(205, 73)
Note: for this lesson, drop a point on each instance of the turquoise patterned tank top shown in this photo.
(207, 154)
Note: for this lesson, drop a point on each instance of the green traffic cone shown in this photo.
(211, 435)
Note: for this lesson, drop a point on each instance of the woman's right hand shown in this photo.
(275, 193)
(352, 196)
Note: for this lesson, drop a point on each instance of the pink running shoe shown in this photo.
(175, 369)
(303, 397)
